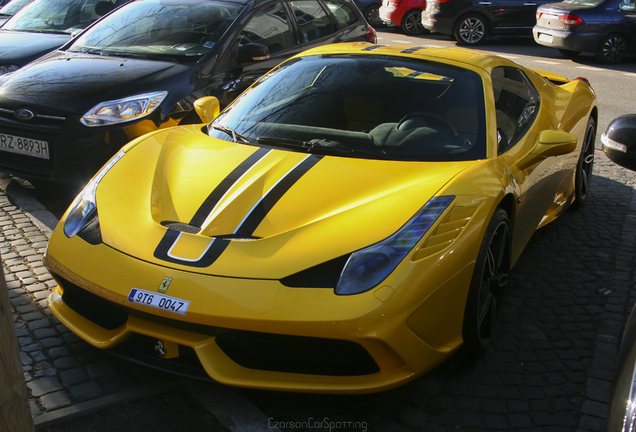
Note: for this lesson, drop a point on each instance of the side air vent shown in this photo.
(181, 227)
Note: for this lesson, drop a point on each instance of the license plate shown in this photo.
(159, 301)
(25, 146)
(545, 38)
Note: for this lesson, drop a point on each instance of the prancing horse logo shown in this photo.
(165, 283)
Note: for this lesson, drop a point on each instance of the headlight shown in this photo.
(368, 267)
(84, 206)
(123, 110)
(5, 69)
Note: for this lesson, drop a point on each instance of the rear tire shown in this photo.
(470, 30)
(412, 22)
(488, 285)
(612, 49)
(585, 165)
(372, 15)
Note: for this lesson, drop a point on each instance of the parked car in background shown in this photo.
(406, 14)
(11, 8)
(371, 11)
(470, 22)
(45, 25)
(606, 28)
(142, 67)
(619, 144)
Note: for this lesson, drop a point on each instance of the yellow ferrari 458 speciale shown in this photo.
(345, 225)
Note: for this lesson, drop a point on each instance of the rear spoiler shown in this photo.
(554, 78)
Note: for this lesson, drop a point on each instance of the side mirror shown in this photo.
(208, 108)
(555, 143)
(252, 52)
(619, 141)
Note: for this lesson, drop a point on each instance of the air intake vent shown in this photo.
(181, 227)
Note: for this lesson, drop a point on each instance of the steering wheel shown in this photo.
(431, 119)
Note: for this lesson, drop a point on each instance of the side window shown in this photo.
(269, 27)
(516, 105)
(343, 12)
(313, 21)
(627, 5)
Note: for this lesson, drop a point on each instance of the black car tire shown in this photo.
(412, 22)
(569, 53)
(585, 165)
(612, 49)
(488, 285)
(372, 15)
(470, 29)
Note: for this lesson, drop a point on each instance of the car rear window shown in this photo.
(378, 107)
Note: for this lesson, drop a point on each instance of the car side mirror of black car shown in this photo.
(555, 143)
(619, 141)
(252, 52)
(208, 108)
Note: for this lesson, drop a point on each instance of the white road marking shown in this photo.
(547, 62)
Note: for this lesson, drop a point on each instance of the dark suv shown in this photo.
(471, 21)
(142, 67)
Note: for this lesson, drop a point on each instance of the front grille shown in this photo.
(253, 350)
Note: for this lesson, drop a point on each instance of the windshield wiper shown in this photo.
(317, 146)
(236, 137)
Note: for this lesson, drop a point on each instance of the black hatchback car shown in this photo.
(471, 21)
(142, 67)
(606, 28)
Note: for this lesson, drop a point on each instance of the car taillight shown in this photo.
(372, 35)
(570, 20)
(539, 15)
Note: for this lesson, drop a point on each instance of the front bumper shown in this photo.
(259, 333)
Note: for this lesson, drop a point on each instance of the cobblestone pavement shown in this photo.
(550, 369)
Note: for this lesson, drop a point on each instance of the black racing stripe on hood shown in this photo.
(213, 199)
(262, 208)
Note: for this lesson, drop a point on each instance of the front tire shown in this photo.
(585, 165)
(488, 285)
(412, 22)
(612, 49)
(470, 30)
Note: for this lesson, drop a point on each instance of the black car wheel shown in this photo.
(372, 15)
(612, 49)
(470, 30)
(488, 284)
(569, 53)
(412, 22)
(585, 165)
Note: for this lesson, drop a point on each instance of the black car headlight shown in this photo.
(123, 110)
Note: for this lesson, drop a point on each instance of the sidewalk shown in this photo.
(68, 380)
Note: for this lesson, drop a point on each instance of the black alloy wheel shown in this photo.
(585, 165)
(412, 22)
(612, 49)
(470, 30)
(372, 15)
(488, 285)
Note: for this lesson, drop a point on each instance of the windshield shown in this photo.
(375, 107)
(58, 16)
(13, 6)
(156, 28)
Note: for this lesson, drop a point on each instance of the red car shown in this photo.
(406, 14)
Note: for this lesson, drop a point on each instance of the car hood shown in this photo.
(80, 81)
(20, 48)
(262, 213)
